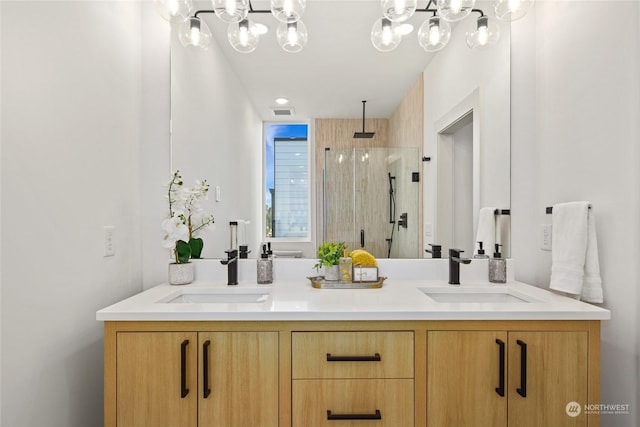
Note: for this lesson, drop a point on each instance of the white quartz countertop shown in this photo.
(398, 299)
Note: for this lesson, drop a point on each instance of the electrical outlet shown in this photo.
(109, 240)
(545, 237)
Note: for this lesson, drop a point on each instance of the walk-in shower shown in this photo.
(364, 189)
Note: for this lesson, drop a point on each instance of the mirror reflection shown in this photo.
(451, 107)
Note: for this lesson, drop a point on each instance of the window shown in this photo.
(287, 181)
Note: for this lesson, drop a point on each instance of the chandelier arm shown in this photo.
(478, 11)
(252, 10)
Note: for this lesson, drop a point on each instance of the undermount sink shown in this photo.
(240, 295)
(476, 295)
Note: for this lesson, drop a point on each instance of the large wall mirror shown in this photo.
(220, 100)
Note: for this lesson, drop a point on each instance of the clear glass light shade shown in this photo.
(243, 37)
(398, 10)
(486, 34)
(454, 10)
(194, 32)
(292, 37)
(288, 11)
(231, 11)
(510, 10)
(384, 35)
(434, 34)
(174, 10)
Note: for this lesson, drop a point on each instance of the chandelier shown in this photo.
(435, 32)
(243, 34)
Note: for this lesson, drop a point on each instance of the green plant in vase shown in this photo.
(329, 254)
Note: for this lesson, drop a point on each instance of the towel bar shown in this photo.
(502, 212)
(549, 209)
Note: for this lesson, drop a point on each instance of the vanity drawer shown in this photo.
(353, 403)
(359, 354)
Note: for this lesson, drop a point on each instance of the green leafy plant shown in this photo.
(329, 254)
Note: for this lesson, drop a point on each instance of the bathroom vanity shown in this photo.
(413, 353)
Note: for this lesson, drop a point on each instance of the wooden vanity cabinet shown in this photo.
(506, 378)
(195, 379)
(350, 373)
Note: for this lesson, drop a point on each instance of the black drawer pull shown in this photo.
(205, 369)
(376, 416)
(183, 369)
(522, 391)
(500, 389)
(375, 358)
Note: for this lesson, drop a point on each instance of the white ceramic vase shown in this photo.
(332, 273)
(181, 274)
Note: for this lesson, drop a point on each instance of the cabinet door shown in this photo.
(547, 371)
(238, 379)
(156, 379)
(465, 382)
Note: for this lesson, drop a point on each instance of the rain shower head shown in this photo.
(363, 134)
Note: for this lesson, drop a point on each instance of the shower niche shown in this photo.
(371, 200)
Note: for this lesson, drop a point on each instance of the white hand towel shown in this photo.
(575, 267)
(486, 232)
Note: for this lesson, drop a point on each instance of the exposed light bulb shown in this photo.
(384, 36)
(514, 5)
(486, 34)
(174, 10)
(510, 10)
(456, 6)
(193, 32)
(195, 35)
(483, 35)
(434, 34)
(287, 7)
(399, 10)
(242, 38)
(292, 34)
(230, 7)
(387, 34)
(292, 37)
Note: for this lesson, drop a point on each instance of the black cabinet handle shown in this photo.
(500, 389)
(376, 416)
(522, 391)
(183, 369)
(205, 369)
(375, 358)
(362, 238)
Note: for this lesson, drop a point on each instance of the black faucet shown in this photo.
(435, 251)
(454, 265)
(232, 266)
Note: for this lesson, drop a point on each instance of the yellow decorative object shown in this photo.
(363, 258)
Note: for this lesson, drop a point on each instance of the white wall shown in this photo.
(452, 77)
(575, 133)
(216, 135)
(72, 123)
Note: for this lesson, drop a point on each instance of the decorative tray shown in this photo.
(320, 283)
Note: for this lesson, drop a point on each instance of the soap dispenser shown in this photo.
(346, 268)
(481, 254)
(265, 268)
(497, 267)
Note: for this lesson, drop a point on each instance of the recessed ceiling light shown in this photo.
(404, 29)
(282, 101)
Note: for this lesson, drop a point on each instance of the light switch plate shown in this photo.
(109, 240)
(545, 237)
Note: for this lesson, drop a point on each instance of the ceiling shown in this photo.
(337, 69)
